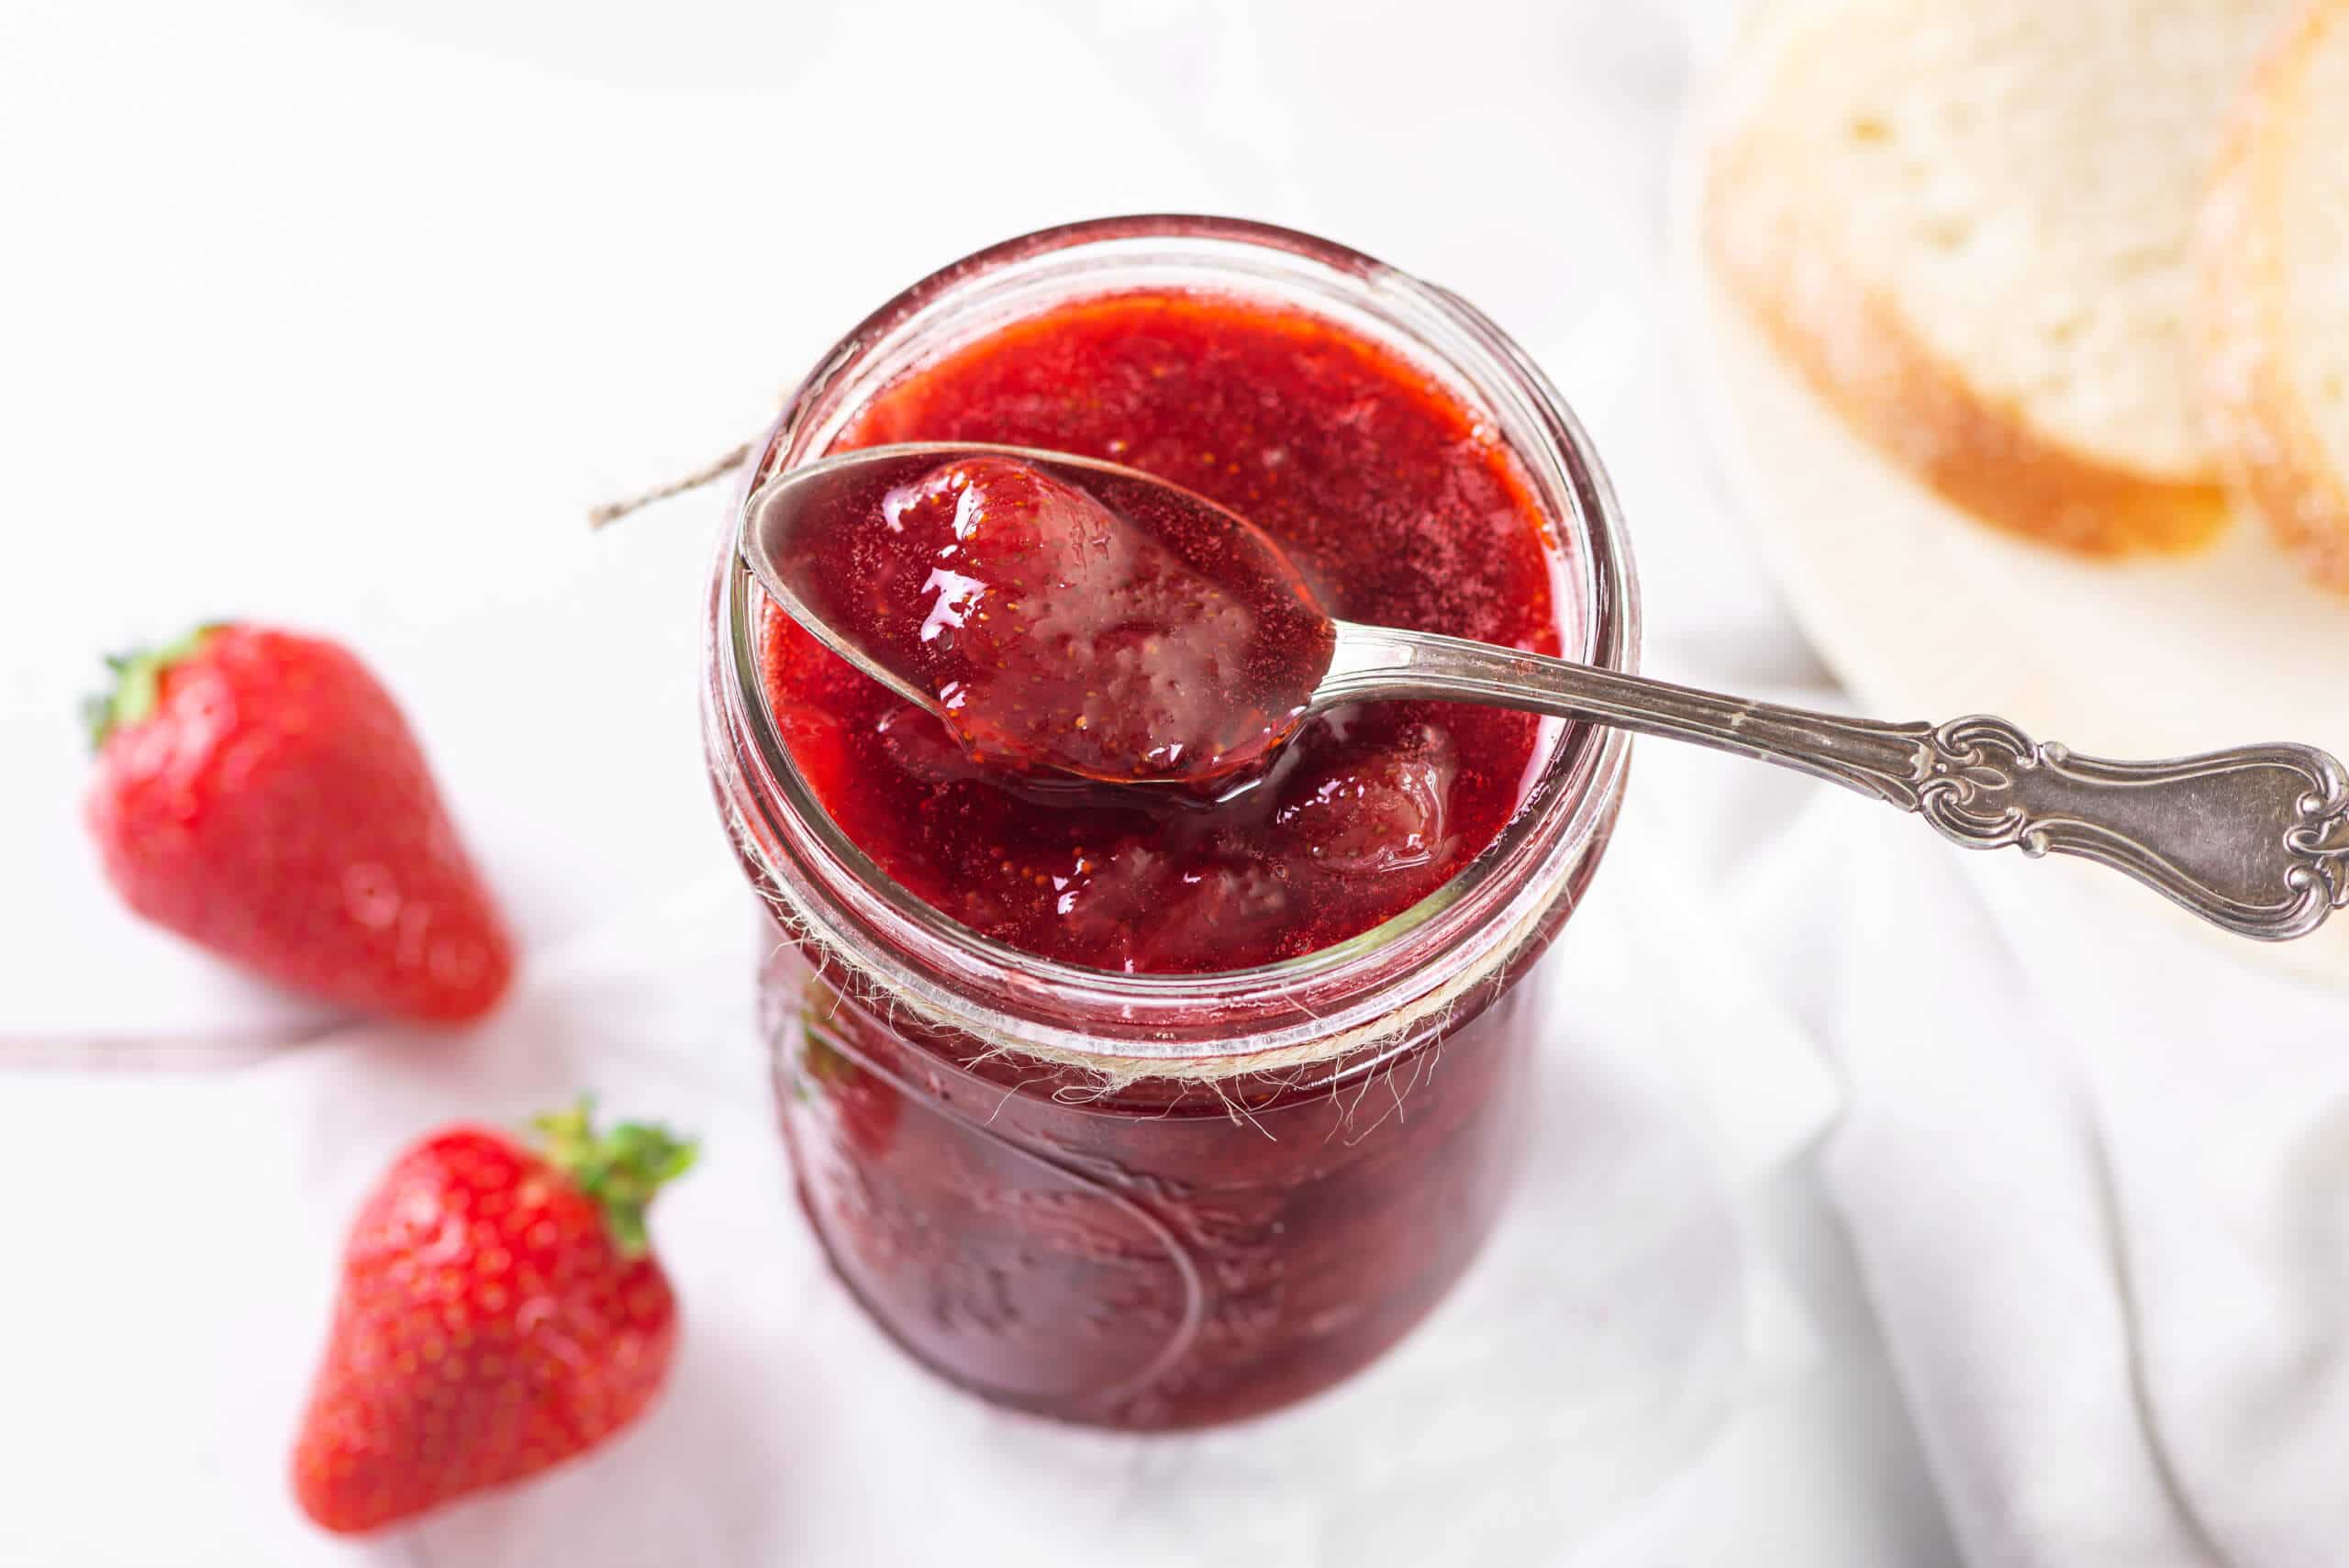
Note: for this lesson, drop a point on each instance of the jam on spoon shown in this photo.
(1061, 616)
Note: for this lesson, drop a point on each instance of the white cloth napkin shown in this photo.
(2100, 1180)
(2096, 1166)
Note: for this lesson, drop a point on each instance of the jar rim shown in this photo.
(1224, 1012)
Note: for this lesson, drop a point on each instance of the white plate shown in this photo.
(1925, 613)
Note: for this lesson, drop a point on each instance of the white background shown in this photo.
(340, 315)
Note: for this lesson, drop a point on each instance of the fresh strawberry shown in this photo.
(258, 793)
(500, 1312)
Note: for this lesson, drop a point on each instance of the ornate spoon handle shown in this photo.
(2256, 839)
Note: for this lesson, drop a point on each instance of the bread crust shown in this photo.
(2268, 445)
(1857, 351)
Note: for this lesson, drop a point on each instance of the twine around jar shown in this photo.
(707, 473)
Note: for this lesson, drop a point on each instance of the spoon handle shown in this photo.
(2254, 838)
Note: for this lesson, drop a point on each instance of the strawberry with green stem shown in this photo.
(501, 1311)
(259, 793)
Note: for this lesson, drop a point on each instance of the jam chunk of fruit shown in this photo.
(1154, 639)
(1378, 812)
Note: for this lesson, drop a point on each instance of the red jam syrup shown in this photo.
(1083, 622)
(1393, 503)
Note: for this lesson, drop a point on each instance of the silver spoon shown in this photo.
(2254, 838)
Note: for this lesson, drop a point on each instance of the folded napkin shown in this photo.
(2097, 1172)
(2095, 1164)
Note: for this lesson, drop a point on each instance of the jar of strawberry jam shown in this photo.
(1128, 1108)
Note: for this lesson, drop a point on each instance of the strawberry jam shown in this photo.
(1085, 621)
(1169, 1187)
(1397, 506)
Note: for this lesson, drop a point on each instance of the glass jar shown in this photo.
(1157, 1200)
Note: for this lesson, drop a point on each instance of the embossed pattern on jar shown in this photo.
(1126, 1257)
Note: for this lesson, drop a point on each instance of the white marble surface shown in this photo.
(340, 315)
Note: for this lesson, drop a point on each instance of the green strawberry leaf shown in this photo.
(138, 683)
(621, 1171)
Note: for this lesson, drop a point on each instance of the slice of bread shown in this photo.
(1967, 225)
(2274, 253)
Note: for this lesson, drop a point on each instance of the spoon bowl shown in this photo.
(1058, 613)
